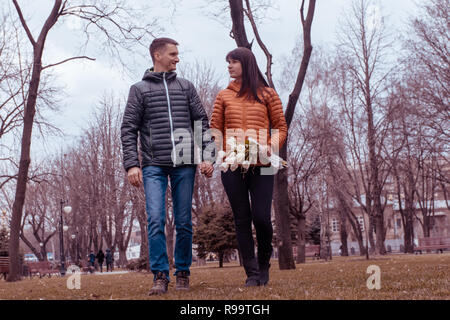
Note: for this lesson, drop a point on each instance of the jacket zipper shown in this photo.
(170, 120)
(151, 143)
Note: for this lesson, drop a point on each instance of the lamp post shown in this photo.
(73, 236)
(41, 245)
(67, 210)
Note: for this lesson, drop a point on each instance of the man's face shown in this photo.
(166, 59)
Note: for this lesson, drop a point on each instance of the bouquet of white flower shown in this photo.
(244, 155)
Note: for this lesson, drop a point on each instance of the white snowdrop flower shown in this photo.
(221, 154)
(246, 164)
(253, 149)
(230, 160)
(223, 167)
(233, 166)
(232, 142)
(240, 157)
(275, 161)
(251, 140)
(240, 148)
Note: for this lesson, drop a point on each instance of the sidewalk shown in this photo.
(108, 273)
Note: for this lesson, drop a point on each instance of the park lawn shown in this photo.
(403, 277)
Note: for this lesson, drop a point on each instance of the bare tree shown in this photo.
(118, 26)
(303, 166)
(38, 216)
(307, 152)
(15, 73)
(427, 66)
(364, 44)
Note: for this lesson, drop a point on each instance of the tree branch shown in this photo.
(237, 16)
(24, 24)
(261, 44)
(64, 61)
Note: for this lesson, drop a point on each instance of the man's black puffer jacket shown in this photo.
(157, 106)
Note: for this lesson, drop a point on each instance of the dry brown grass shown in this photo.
(402, 277)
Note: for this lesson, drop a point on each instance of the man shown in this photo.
(160, 107)
(109, 260)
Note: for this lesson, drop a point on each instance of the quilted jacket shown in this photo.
(233, 112)
(157, 107)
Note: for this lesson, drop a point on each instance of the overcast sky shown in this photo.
(200, 36)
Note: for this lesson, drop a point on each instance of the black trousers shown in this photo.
(239, 186)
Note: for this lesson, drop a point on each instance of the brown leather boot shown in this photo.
(182, 281)
(160, 284)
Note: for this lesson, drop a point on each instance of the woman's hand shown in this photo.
(207, 168)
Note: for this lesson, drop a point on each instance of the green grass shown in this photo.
(402, 277)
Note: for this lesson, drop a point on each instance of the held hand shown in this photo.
(135, 176)
(207, 168)
(265, 150)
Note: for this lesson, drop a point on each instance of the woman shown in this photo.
(100, 258)
(248, 103)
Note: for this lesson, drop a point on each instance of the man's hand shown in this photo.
(135, 176)
(207, 168)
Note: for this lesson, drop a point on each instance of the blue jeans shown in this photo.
(182, 185)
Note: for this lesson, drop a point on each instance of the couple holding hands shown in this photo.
(163, 103)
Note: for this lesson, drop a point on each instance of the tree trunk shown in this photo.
(220, 259)
(238, 31)
(343, 232)
(357, 232)
(301, 226)
(285, 255)
(379, 220)
(409, 232)
(123, 261)
(28, 120)
(283, 220)
(426, 225)
(372, 229)
(21, 187)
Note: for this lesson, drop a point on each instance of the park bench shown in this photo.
(312, 251)
(4, 266)
(436, 243)
(42, 268)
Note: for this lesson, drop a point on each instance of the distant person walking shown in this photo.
(92, 259)
(100, 258)
(109, 260)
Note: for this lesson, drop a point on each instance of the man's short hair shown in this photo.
(158, 44)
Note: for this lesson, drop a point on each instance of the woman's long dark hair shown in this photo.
(252, 78)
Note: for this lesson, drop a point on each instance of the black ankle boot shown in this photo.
(264, 273)
(252, 272)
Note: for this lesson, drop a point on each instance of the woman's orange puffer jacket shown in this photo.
(233, 112)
